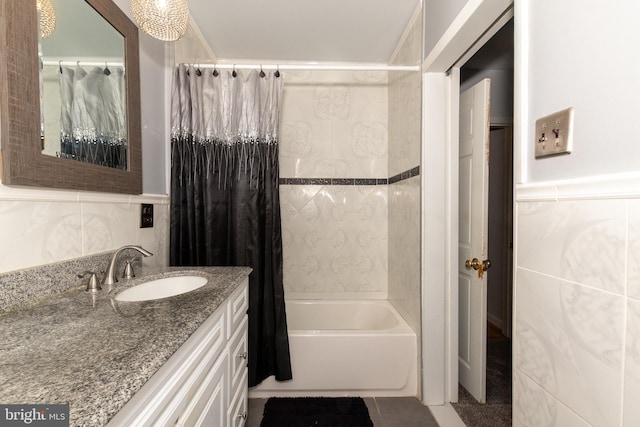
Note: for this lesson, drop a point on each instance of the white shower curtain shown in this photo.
(93, 125)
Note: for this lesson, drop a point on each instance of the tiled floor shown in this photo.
(383, 411)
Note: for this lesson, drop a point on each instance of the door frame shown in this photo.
(478, 21)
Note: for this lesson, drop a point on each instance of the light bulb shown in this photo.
(163, 19)
(46, 17)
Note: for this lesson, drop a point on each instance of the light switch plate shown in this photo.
(554, 133)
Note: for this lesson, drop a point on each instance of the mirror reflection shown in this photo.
(83, 87)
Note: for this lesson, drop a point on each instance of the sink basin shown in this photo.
(161, 288)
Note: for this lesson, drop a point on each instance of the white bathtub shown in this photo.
(346, 348)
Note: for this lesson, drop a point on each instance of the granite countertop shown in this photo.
(71, 349)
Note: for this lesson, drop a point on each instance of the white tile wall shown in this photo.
(534, 407)
(570, 342)
(632, 366)
(633, 259)
(405, 106)
(405, 116)
(565, 239)
(334, 125)
(405, 121)
(577, 306)
(404, 249)
(334, 239)
(35, 233)
(40, 232)
(340, 125)
(107, 226)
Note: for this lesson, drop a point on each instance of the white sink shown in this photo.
(161, 288)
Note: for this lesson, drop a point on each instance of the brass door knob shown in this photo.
(479, 266)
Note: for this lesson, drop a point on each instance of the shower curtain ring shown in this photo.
(215, 71)
(261, 71)
(234, 74)
(277, 73)
(198, 72)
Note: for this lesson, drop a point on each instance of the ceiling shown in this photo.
(303, 30)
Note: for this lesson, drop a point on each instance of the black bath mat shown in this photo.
(316, 412)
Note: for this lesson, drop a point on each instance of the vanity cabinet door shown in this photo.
(205, 359)
(208, 407)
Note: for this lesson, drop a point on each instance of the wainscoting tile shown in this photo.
(108, 226)
(632, 366)
(580, 241)
(38, 233)
(534, 407)
(569, 341)
(633, 261)
(156, 239)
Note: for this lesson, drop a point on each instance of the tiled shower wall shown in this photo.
(350, 184)
(405, 118)
(333, 169)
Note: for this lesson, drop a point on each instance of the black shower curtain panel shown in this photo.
(225, 208)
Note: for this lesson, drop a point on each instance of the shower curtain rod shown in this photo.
(85, 63)
(314, 67)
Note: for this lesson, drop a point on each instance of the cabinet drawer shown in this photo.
(237, 414)
(208, 406)
(237, 307)
(238, 353)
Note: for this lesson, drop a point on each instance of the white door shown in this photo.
(473, 238)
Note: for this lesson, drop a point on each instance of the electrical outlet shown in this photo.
(146, 215)
(554, 133)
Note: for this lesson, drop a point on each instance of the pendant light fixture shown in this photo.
(46, 17)
(163, 19)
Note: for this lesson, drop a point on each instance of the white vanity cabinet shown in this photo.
(205, 382)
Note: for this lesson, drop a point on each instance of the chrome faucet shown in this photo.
(110, 276)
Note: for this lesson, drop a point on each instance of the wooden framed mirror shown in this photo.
(24, 163)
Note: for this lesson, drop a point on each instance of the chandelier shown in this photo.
(46, 16)
(163, 19)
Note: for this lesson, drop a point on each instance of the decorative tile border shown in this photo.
(352, 181)
(405, 175)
